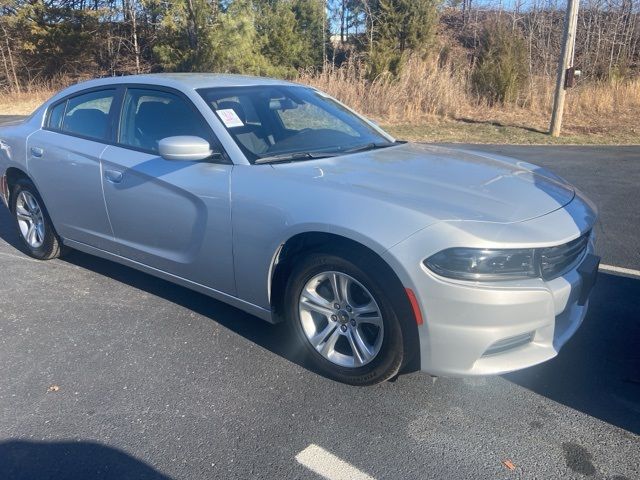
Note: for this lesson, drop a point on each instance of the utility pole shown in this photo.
(566, 61)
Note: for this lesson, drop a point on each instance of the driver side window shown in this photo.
(148, 116)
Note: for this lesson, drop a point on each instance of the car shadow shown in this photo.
(24, 460)
(8, 231)
(495, 123)
(597, 372)
(252, 328)
(269, 336)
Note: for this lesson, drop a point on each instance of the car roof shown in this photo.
(182, 81)
(179, 81)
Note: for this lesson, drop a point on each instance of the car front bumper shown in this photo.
(473, 330)
(483, 328)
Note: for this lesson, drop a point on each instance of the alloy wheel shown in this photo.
(341, 319)
(30, 219)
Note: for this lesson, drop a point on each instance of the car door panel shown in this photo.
(67, 173)
(171, 215)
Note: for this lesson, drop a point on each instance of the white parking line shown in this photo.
(327, 465)
(625, 271)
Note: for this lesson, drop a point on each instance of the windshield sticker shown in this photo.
(230, 118)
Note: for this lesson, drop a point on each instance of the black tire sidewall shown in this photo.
(389, 359)
(50, 245)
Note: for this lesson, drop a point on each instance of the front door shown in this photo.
(170, 215)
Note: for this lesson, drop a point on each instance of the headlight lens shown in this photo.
(484, 264)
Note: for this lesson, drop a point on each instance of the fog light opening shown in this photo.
(509, 343)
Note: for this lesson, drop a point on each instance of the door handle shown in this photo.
(37, 152)
(113, 176)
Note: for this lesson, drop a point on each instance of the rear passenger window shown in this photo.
(148, 116)
(55, 116)
(88, 115)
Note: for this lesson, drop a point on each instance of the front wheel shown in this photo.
(344, 319)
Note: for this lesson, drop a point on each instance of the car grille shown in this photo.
(554, 261)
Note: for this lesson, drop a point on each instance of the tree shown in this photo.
(313, 28)
(199, 36)
(186, 42)
(403, 26)
(292, 33)
(280, 40)
(236, 44)
(57, 40)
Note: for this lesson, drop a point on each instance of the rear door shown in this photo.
(171, 215)
(64, 160)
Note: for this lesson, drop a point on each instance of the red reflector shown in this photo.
(414, 306)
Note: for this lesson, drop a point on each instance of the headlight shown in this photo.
(484, 264)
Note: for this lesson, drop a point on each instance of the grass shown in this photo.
(23, 103)
(433, 102)
(471, 131)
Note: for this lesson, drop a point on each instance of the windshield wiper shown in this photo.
(291, 157)
(369, 146)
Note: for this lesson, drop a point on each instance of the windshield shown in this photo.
(286, 123)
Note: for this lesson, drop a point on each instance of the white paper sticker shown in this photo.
(230, 118)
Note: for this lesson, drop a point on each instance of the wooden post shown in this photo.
(566, 58)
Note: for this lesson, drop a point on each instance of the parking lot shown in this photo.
(110, 373)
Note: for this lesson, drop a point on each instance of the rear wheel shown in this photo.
(35, 230)
(344, 319)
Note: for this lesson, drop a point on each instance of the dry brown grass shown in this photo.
(23, 103)
(423, 89)
(426, 91)
(427, 88)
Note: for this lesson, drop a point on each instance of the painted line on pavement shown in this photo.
(625, 271)
(327, 465)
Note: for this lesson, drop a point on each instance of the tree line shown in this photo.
(52, 42)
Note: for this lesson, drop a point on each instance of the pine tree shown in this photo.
(292, 32)
(313, 28)
(198, 35)
(403, 26)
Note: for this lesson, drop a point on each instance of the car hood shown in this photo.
(443, 183)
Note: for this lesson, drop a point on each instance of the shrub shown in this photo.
(501, 72)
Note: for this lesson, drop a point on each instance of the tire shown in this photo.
(26, 205)
(308, 325)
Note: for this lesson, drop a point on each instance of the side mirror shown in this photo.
(184, 147)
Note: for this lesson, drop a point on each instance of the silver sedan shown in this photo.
(381, 255)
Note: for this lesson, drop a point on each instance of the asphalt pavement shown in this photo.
(106, 372)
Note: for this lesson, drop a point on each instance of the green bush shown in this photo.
(501, 72)
(404, 27)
